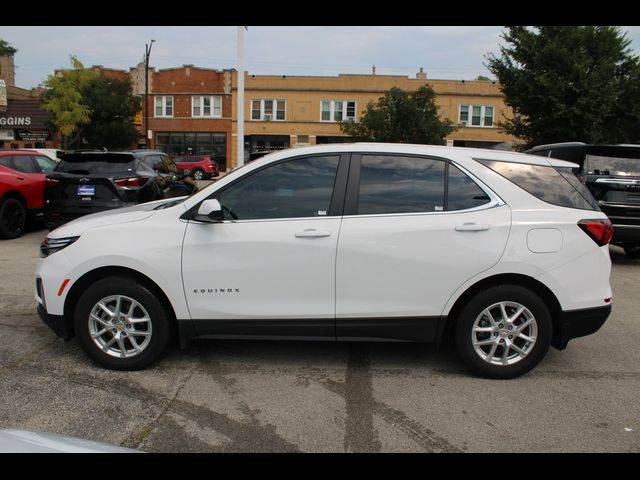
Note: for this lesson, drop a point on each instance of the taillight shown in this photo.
(132, 182)
(50, 182)
(600, 231)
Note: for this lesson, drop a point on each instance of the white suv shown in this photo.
(503, 252)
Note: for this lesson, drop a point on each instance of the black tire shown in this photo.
(13, 218)
(197, 174)
(160, 323)
(474, 309)
(632, 252)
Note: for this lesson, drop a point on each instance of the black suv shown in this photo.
(612, 175)
(87, 182)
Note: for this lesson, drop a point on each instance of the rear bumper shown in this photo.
(578, 323)
(60, 326)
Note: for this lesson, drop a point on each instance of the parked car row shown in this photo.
(78, 183)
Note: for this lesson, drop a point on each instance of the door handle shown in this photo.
(472, 227)
(313, 233)
(20, 178)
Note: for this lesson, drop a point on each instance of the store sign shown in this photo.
(15, 121)
(30, 136)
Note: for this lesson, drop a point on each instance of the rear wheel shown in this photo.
(13, 218)
(503, 332)
(121, 324)
(197, 174)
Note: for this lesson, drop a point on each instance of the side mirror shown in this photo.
(209, 211)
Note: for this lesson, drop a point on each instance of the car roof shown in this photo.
(452, 153)
(18, 152)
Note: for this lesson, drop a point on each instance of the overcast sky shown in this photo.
(443, 52)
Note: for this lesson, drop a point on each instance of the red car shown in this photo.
(200, 166)
(22, 175)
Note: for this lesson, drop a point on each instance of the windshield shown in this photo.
(602, 165)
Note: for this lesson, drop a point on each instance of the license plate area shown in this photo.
(86, 190)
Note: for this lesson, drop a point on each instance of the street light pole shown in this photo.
(147, 53)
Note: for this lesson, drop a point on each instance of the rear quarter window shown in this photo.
(555, 186)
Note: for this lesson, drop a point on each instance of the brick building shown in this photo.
(190, 111)
(23, 122)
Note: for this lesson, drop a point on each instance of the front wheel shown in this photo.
(121, 324)
(197, 174)
(503, 332)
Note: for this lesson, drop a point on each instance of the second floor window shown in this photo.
(337, 110)
(206, 106)
(164, 106)
(268, 109)
(477, 115)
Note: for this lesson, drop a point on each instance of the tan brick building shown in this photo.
(284, 111)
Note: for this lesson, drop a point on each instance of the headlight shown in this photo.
(52, 245)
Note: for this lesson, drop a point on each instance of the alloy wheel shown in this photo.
(120, 326)
(504, 333)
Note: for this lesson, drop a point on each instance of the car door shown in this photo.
(30, 179)
(415, 229)
(271, 262)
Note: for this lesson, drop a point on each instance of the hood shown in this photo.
(109, 217)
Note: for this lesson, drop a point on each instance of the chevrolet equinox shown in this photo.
(503, 253)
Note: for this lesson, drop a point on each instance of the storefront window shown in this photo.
(194, 143)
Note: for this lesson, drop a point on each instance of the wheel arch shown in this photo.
(112, 271)
(14, 194)
(540, 289)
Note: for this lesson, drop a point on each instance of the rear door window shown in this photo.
(399, 184)
(462, 192)
(555, 186)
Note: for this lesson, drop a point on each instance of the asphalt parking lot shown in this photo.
(245, 396)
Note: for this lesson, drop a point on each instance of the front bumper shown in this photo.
(60, 325)
(578, 323)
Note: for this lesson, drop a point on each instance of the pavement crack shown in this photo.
(136, 439)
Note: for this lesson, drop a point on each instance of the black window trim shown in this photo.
(353, 187)
(336, 207)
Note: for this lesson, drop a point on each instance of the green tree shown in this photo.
(578, 83)
(482, 78)
(113, 108)
(402, 117)
(6, 49)
(63, 99)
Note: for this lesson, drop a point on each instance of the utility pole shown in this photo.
(240, 106)
(147, 53)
